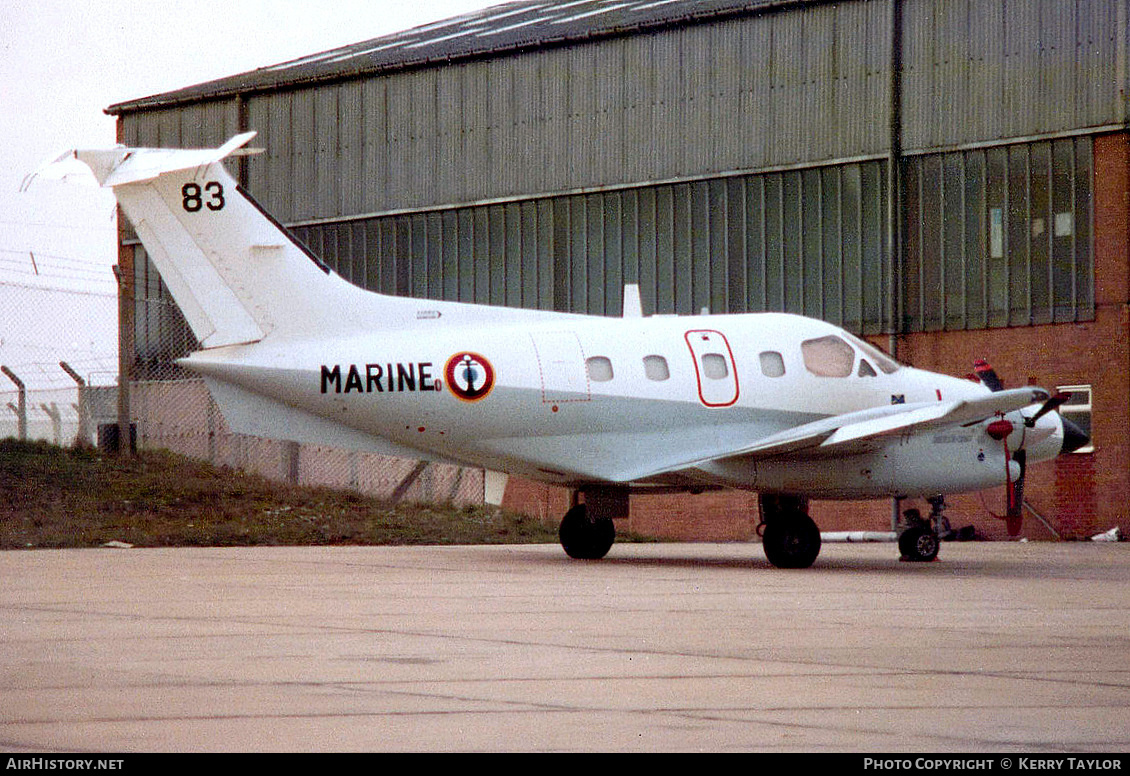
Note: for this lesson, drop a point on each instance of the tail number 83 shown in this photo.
(194, 198)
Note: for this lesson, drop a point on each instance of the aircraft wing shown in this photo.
(856, 432)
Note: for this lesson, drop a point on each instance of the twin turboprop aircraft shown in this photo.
(787, 406)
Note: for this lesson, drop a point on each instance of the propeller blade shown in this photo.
(987, 375)
(1014, 519)
(1001, 429)
(1053, 403)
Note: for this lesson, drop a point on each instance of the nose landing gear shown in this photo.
(920, 541)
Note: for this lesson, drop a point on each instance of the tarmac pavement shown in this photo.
(995, 647)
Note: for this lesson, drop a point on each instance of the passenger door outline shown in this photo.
(713, 392)
(561, 366)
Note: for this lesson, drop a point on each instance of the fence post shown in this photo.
(52, 411)
(123, 273)
(21, 408)
(82, 436)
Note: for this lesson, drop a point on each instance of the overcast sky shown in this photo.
(62, 62)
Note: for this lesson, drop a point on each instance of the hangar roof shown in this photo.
(504, 28)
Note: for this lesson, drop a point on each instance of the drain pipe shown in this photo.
(894, 200)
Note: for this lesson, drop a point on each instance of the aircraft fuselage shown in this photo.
(582, 399)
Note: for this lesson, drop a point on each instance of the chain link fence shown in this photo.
(58, 350)
(180, 415)
(172, 409)
(58, 354)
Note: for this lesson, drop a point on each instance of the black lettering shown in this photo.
(331, 376)
(382, 378)
(373, 374)
(217, 192)
(190, 197)
(353, 381)
(405, 377)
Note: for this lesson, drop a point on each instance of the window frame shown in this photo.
(1087, 409)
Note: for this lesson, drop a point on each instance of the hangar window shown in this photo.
(714, 366)
(1077, 409)
(772, 364)
(999, 236)
(655, 367)
(828, 356)
(600, 369)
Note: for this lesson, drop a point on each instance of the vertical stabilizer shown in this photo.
(237, 275)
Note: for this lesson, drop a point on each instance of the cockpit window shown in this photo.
(885, 363)
(828, 356)
(865, 369)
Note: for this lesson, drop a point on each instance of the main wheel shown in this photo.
(792, 542)
(583, 538)
(919, 543)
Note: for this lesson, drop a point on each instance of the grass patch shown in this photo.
(61, 497)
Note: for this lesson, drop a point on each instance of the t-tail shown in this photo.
(236, 274)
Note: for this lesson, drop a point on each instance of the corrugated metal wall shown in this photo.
(733, 165)
(739, 95)
(805, 241)
(980, 70)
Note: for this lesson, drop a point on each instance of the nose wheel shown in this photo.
(920, 540)
(919, 543)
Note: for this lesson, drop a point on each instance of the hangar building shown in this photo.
(735, 155)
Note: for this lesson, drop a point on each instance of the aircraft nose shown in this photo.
(1073, 437)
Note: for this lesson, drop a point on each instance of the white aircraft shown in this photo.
(787, 406)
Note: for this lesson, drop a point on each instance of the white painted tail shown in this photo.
(237, 275)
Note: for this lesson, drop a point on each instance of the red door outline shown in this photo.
(713, 392)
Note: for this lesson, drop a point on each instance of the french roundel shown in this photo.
(469, 376)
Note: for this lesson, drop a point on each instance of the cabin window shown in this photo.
(828, 356)
(655, 367)
(600, 369)
(714, 366)
(772, 364)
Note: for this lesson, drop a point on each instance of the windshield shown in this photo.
(887, 364)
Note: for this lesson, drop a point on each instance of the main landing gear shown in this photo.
(587, 531)
(789, 536)
(586, 538)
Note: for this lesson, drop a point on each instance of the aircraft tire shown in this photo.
(791, 543)
(919, 544)
(586, 539)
